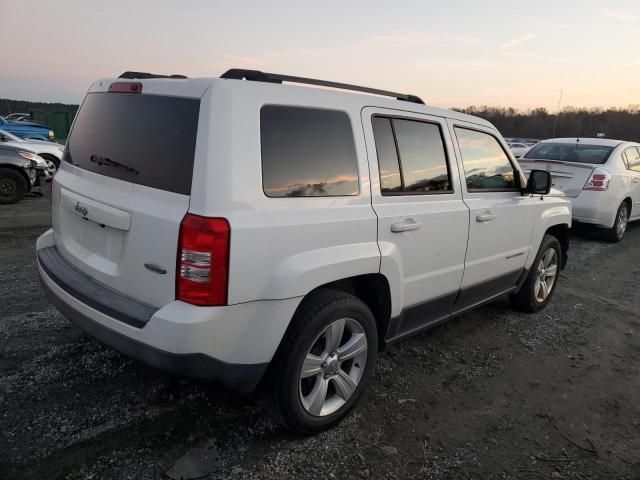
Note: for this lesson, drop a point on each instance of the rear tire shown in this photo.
(615, 233)
(323, 364)
(541, 281)
(13, 186)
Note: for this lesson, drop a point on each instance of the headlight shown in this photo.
(52, 136)
(28, 155)
(35, 160)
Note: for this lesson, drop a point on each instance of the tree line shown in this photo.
(618, 123)
(8, 106)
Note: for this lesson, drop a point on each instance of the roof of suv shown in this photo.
(350, 95)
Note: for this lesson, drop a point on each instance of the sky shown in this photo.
(451, 53)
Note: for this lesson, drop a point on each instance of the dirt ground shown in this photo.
(491, 395)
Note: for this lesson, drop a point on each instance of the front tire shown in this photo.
(53, 164)
(615, 233)
(323, 364)
(541, 281)
(13, 186)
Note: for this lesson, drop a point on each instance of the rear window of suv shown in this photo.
(307, 152)
(144, 139)
(570, 152)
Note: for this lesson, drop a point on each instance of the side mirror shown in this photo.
(539, 182)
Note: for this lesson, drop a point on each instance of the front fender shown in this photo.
(552, 211)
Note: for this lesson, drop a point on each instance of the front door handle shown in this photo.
(485, 217)
(405, 226)
(636, 180)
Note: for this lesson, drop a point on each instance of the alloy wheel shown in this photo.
(546, 275)
(333, 367)
(51, 167)
(623, 219)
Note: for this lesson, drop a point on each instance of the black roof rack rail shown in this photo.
(258, 76)
(142, 75)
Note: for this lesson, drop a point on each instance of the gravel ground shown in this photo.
(492, 394)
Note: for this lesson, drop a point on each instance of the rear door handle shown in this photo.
(485, 217)
(636, 180)
(405, 226)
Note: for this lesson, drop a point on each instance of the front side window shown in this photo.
(307, 152)
(411, 156)
(486, 165)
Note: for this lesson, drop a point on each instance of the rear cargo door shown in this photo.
(124, 187)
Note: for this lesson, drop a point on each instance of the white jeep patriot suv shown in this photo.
(245, 231)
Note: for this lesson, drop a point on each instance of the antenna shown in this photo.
(555, 123)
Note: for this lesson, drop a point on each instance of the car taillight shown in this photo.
(598, 181)
(125, 87)
(202, 271)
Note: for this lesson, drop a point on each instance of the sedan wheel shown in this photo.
(619, 228)
(623, 219)
(51, 167)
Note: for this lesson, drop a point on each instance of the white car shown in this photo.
(519, 149)
(311, 227)
(50, 151)
(601, 177)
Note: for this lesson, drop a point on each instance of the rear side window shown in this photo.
(411, 156)
(388, 165)
(632, 159)
(145, 139)
(486, 165)
(307, 152)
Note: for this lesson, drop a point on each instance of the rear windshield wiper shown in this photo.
(112, 163)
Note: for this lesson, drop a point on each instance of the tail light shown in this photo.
(598, 181)
(202, 273)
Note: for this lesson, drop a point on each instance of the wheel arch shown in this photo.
(629, 202)
(372, 289)
(20, 171)
(561, 232)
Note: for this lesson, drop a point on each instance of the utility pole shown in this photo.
(555, 123)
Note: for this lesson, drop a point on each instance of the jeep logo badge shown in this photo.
(81, 209)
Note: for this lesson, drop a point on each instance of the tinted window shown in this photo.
(387, 155)
(411, 156)
(424, 163)
(486, 165)
(633, 159)
(570, 152)
(307, 152)
(145, 139)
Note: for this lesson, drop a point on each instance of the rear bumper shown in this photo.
(232, 345)
(238, 377)
(596, 208)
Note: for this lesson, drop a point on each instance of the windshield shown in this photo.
(570, 152)
(145, 139)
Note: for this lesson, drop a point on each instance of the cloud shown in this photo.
(405, 39)
(516, 42)
(618, 15)
(541, 58)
